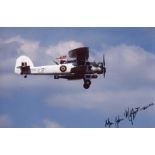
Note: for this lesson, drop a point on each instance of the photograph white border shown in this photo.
(69, 13)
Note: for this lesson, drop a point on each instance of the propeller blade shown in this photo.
(103, 61)
(104, 71)
(104, 68)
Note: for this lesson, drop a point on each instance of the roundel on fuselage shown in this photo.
(63, 68)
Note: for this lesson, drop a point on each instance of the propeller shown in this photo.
(104, 68)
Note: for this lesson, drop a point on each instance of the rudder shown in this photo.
(23, 65)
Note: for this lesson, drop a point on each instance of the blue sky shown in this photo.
(41, 101)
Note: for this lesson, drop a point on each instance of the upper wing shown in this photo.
(81, 55)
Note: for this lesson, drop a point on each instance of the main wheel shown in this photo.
(25, 76)
(87, 82)
(86, 86)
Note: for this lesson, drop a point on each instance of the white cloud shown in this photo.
(130, 62)
(10, 83)
(130, 56)
(17, 46)
(104, 100)
(62, 48)
(27, 47)
(4, 121)
(51, 124)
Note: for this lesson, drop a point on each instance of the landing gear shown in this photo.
(25, 76)
(56, 77)
(86, 84)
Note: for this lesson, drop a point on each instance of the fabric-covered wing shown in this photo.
(81, 55)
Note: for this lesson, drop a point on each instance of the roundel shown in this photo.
(63, 68)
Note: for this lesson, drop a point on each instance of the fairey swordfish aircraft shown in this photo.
(77, 68)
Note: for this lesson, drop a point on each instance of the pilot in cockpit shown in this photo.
(62, 59)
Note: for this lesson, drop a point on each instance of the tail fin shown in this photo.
(23, 65)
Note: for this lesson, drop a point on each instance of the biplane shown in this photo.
(76, 68)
